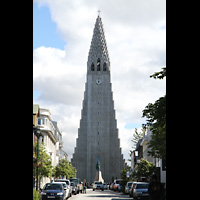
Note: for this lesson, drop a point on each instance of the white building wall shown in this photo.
(157, 162)
(51, 139)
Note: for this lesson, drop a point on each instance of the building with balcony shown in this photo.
(141, 151)
(36, 114)
(48, 131)
(51, 139)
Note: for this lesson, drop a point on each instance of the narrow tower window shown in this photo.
(92, 67)
(98, 65)
(104, 67)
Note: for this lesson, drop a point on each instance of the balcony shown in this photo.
(60, 144)
(57, 152)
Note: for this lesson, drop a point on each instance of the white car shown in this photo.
(140, 190)
(128, 187)
(105, 186)
(98, 185)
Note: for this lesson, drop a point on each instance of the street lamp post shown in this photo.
(37, 172)
(37, 131)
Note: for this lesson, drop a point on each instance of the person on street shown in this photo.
(84, 186)
(155, 189)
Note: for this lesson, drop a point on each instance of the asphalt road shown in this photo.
(98, 195)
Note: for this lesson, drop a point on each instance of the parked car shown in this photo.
(65, 188)
(132, 188)
(119, 188)
(128, 187)
(78, 184)
(98, 185)
(111, 186)
(68, 186)
(105, 186)
(74, 188)
(53, 191)
(140, 190)
(117, 183)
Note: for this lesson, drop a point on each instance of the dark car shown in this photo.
(74, 188)
(68, 188)
(53, 191)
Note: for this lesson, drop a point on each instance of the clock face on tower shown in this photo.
(98, 81)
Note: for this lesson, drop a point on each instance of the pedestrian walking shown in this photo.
(84, 186)
(155, 189)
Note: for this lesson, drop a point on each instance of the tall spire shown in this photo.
(98, 47)
(98, 139)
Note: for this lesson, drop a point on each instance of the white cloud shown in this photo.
(136, 40)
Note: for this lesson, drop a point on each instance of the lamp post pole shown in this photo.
(37, 172)
(37, 129)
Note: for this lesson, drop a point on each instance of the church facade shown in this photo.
(98, 139)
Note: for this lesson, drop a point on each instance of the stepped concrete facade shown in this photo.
(98, 139)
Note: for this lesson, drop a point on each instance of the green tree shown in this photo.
(44, 162)
(156, 119)
(138, 135)
(159, 75)
(124, 178)
(144, 169)
(64, 168)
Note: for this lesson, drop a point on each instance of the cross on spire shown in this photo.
(98, 12)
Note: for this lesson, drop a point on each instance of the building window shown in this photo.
(39, 121)
(92, 67)
(104, 67)
(98, 65)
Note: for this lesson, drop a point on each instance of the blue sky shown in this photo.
(132, 126)
(36, 94)
(44, 33)
(44, 29)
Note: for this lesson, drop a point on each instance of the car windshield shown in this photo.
(118, 182)
(60, 180)
(129, 184)
(142, 186)
(64, 185)
(51, 186)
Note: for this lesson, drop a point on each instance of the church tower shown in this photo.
(98, 134)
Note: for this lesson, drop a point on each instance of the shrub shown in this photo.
(36, 195)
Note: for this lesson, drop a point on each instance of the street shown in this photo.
(98, 195)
